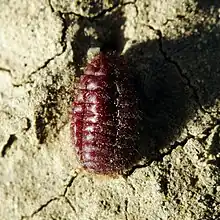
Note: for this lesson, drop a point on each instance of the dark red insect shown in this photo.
(105, 116)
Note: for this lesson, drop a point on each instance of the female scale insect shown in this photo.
(105, 120)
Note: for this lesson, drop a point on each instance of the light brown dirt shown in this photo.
(172, 46)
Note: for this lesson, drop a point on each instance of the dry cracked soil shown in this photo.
(172, 47)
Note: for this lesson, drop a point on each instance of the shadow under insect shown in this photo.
(164, 98)
(172, 85)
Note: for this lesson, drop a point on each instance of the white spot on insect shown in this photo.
(92, 86)
(91, 99)
(100, 73)
(87, 156)
(93, 119)
(88, 148)
(92, 108)
(89, 137)
(89, 128)
(78, 108)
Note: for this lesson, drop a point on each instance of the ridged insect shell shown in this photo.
(105, 116)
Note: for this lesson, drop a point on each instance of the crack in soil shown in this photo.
(64, 46)
(51, 6)
(44, 206)
(100, 14)
(175, 63)
(207, 132)
(12, 138)
(126, 209)
(55, 199)
(69, 185)
(70, 204)
(31, 81)
(132, 169)
(174, 145)
(5, 69)
(40, 208)
(189, 136)
(64, 30)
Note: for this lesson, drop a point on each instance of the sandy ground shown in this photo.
(172, 46)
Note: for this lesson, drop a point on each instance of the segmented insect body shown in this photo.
(105, 116)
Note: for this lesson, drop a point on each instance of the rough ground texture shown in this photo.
(172, 46)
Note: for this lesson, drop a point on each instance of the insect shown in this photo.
(105, 116)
